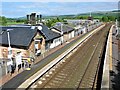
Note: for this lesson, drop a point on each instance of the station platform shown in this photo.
(111, 69)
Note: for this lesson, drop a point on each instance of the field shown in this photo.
(14, 23)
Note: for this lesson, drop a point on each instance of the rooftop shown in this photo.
(64, 28)
(19, 36)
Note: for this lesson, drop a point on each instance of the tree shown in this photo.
(118, 18)
(105, 19)
(79, 17)
(3, 21)
(51, 22)
(111, 18)
(58, 19)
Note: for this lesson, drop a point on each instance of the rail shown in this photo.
(40, 73)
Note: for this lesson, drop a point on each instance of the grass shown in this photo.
(14, 23)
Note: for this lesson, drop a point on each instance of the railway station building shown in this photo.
(30, 41)
(66, 31)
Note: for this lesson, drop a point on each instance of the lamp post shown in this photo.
(9, 48)
(116, 27)
(10, 62)
(61, 33)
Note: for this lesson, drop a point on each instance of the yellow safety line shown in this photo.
(110, 48)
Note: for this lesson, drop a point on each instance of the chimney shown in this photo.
(32, 18)
(40, 18)
(28, 19)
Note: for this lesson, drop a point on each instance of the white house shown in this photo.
(66, 31)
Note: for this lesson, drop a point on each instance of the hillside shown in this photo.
(94, 14)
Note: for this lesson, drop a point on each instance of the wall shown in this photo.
(25, 53)
(84, 30)
(41, 45)
(31, 50)
(65, 37)
(55, 42)
(4, 52)
(71, 34)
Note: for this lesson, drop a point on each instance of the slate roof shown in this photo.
(20, 25)
(65, 28)
(22, 36)
(19, 36)
(48, 34)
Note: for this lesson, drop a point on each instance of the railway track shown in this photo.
(79, 70)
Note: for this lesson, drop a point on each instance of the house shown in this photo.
(30, 40)
(83, 26)
(52, 39)
(21, 39)
(25, 42)
(66, 31)
(78, 26)
(16, 43)
(78, 29)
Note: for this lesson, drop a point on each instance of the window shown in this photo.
(9, 52)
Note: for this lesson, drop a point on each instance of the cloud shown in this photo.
(33, 5)
(19, 9)
(60, 0)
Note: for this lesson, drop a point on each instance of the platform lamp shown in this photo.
(9, 48)
(61, 33)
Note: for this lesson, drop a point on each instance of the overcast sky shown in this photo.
(20, 9)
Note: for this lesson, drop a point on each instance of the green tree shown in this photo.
(118, 19)
(79, 17)
(3, 21)
(111, 18)
(105, 19)
(51, 22)
(58, 19)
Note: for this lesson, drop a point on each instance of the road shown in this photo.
(79, 70)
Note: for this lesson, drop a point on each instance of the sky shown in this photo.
(20, 9)
(60, 0)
